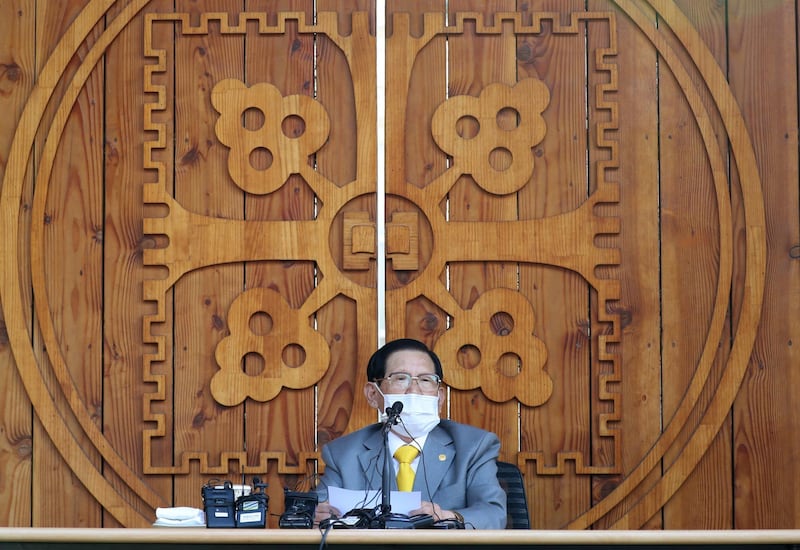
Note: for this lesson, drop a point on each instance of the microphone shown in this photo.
(392, 417)
(393, 413)
(395, 409)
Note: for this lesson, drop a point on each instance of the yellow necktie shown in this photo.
(405, 475)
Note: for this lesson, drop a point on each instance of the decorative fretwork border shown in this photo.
(607, 192)
(155, 193)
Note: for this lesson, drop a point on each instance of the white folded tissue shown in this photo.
(180, 516)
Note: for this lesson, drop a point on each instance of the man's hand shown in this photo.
(323, 511)
(433, 509)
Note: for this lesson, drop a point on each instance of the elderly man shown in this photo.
(452, 465)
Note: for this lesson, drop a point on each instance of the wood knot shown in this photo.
(525, 53)
(24, 447)
(605, 486)
(190, 157)
(217, 322)
(429, 322)
(11, 72)
(198, 420)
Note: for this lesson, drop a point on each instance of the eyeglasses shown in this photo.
(401, 381)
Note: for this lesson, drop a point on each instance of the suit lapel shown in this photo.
(371, 460)
(437, 456)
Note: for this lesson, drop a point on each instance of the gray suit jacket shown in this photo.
(457, 470)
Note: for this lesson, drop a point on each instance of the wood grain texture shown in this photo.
(634, 257)
(559, 183)
(637, 178)
(765, 408)
(194, 238)
(17, 55)
(348, 159)
(72, 208)
(58, 423)
(416, 86)
(123, 343)
(287, 62)
(687, 198)
(754, 251)
(474, 63)
(203, 296)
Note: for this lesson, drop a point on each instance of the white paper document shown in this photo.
(402, 502)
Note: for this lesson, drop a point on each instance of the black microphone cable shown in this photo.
(421, 466)
(327, 529)
(375, 469)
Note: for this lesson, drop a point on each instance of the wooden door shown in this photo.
(191, 238)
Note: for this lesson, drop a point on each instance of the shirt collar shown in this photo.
(395, 442)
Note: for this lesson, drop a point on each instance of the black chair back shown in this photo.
(510, 478)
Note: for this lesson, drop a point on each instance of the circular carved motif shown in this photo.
(284, 131)
(491, 136)
(497, 159)
(231, 385)
(353, 240)
(530, 384)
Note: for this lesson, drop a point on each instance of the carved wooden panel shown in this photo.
(490, 138)
(285, 133)
(575, 221)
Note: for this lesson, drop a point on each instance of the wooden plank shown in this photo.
(38, 378)
(70, 503)
(348, 322)
(427, 89)
(558, 297)
(638, 309)
(766, 411)
(715, 415)
(124, 308)
(412, 157)
(286, 423)
(690, 269)
(74, 250)
(203, 297)
(17, 47)
(475, 61)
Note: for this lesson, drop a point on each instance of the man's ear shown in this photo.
(374, 397)
(441, 399)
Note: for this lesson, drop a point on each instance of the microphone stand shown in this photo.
(393, 416)
(386, 519)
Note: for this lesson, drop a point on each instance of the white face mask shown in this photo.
(420, 412)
